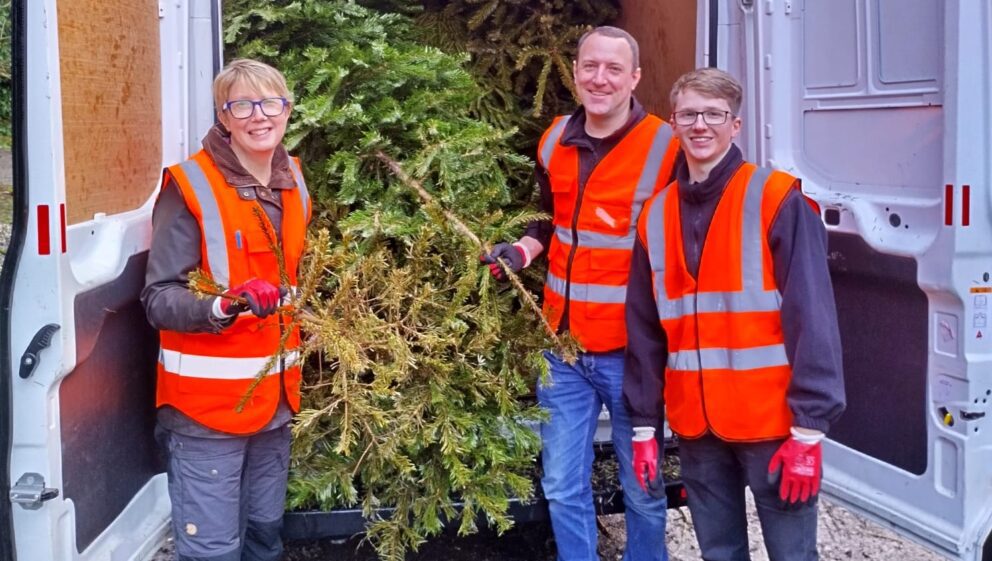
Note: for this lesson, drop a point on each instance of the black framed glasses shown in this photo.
(710, 117)
(244, 108)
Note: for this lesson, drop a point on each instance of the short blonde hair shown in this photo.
(252, 73)
(710, 82)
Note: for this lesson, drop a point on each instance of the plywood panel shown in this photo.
(666, 33)
(111, 104)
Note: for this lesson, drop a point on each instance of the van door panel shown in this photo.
(107, 404)
(883, 108)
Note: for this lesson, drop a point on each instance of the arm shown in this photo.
(647, 345)
(798, 243)
(174, 252)
(537, 236)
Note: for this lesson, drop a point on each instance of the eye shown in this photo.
(714, 115)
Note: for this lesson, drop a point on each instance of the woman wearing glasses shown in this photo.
(224, 211)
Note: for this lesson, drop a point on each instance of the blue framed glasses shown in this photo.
(244, 108)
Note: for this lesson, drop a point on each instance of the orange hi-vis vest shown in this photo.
(589, 254)
(205, 375)
(727, 368)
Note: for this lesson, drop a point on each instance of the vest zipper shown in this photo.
(575, 239)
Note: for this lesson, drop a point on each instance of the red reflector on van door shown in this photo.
(62, 220)
(948, 204)
(44, 231)
(965, 205)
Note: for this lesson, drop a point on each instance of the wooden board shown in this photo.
(666, 34)
(111, 104)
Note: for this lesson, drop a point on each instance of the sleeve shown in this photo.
(647, 346)
(174, 252)
(541, 230)
(798, 243)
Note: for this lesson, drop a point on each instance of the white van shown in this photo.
(883, 107)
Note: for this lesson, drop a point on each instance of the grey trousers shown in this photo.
(228, 494)
(715, 473)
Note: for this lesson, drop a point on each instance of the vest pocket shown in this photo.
(262, 261)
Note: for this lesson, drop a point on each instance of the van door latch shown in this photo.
(31, 357)
(30, 491)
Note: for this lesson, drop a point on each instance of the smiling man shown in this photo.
(732, 328)
(595, 169)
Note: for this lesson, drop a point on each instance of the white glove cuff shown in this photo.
(527, 256)
(217, 310)
(806, 438)
(643, 433)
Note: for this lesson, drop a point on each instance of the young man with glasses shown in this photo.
(595, 169)
(733, 332)
(221, 211)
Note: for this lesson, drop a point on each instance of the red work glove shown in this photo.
(513, 255)
(645, 461)
(799, 466)
(261, 297)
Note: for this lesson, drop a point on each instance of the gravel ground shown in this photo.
(842, 536)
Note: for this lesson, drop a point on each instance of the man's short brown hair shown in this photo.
(615, 33)
(710, 82)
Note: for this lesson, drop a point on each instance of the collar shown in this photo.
(217, 144)
(713, 185)
(575, 130)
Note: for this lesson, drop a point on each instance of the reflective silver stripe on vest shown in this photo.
(581, 292)
(595, 239)
(548, 148)
(728, 359)
(221, 368)
(751, 234)
(655, 233)
(213, 226)
(650, 171)
(710, 302)
(302, 186)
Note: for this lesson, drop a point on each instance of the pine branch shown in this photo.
(567, 352)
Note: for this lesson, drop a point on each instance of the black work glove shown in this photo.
(511, 254)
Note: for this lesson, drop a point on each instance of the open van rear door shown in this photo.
(106, 92)
(883, 108)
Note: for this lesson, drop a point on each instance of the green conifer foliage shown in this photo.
(419, 360)
(521, 53)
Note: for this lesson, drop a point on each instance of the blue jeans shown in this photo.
(574, 397)
(715, 473)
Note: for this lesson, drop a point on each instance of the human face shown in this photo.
(704, 145)
(605, 78)
(257, 136)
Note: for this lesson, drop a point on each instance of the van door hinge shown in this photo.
(30, 491)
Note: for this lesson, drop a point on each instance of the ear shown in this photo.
(575, 69)
(735, 127)
(222, 119)
(637, 78)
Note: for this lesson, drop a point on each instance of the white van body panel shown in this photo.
(96, 253)
(884, 109)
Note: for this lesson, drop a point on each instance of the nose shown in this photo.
(600, 76)
(698, 123)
